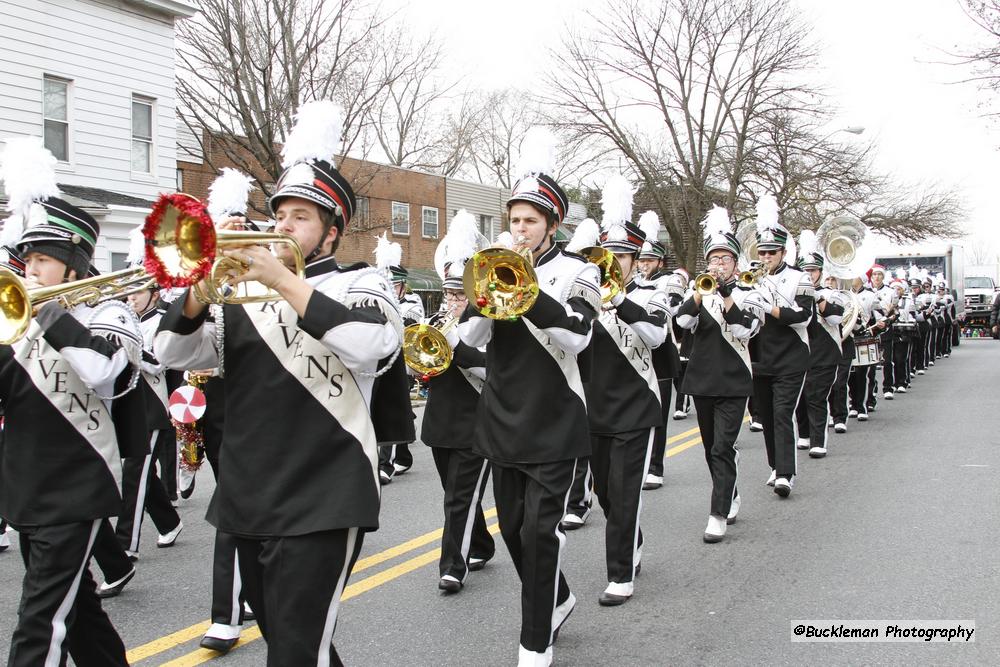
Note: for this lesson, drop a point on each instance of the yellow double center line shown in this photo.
(250, 634)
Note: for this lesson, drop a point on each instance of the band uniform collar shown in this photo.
(318, 267)
(547, 256)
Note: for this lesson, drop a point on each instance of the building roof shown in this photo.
(179, 9)
(103, 197)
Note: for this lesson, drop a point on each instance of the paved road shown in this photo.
(898, 522)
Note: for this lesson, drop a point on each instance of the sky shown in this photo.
(879, 62)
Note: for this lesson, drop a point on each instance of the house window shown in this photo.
(55, 110)
(362, 212)
(180, 180)
(119, 261)
(486, 226)
(400, 218)
(430, 223)
(142, 135)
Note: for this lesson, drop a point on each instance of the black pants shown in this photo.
(581, 493)
(531, 501)
(294, 585)
(719, 420)
(109, 554)
(814, 408)
(660, 434)
(165, 455)
(619, 462)
(59, 609)
(900, 362)
(838, 396)
(775, 399)
(463, 477)
(888, 369)
(227, 585)
(859, 386)
(142, 489)
(872, 398)
(390, 455)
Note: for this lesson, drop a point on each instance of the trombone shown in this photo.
(176, 253)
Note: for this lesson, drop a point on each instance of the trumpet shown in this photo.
(612, 279)
(753, 275)
(177, 256)
(501, 283)
(188, 215)
(706, 283)
(426, 349)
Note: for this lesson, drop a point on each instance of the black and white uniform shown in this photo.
(780, 354)
(141, 485)
(863, 377)
(720, 379)
(624, 410)
(448, 428)
(666, 363)
(825, 354)
(532, 425)
(887, 298)
(903, 332)
(60, 474)
(397, 456)
(297, 494)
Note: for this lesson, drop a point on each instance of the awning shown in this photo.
(425, 280)
(562, 235)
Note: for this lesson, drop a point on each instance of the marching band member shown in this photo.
(297, 494)
(228, 199)
(60, 465)
(780, 351)
(867, 326)
(887, 297)
(719, 373)
(918, 350)
(623, 392)
(681, 281)
(902, 332)
(932, 313)
(947, 304)
(666, 360)
(825, 353)
(395, 457)
(532, 419)
(10, 260)
(449, 423)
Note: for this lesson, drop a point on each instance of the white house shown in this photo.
(95, 79)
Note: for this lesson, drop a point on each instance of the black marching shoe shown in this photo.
(449, 584)
(113, 589)
(615, 594)
(222, 646)
(475, 563)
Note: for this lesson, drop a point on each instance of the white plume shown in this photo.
(228, 194)
(136, 246)
(387, 253)
(616, 202)
(28, 172)
(462, 238)
(649, 223)
(505, 240)
(716, 222)
(587, 234)
(538, 153)
(316, 135)
(901, 273)
(808, 244)
(767, 212)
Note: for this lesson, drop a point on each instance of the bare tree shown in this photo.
(676, 86)
(982, 61)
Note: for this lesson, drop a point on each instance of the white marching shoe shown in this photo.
(887, 396)
(680, 414)
(817, 452)
(715, 530)
(783, 486)
(803, 443)
(756, 427)
(734, 509)
(770, 480)
(167, 540)
(900, 390)
(840, 428)
(863, 417)
(526, 658)
(921, 371)
(652, 482)
(829, 422)
(852, 414)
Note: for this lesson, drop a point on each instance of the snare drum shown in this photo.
(867, 352)
(905, 329)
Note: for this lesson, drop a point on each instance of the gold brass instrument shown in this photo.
(426, 349)
(705, 284)
(216, 287)
(612, 278)
(177, 253)
(848, 254)
(501, 283)
(752, 276)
